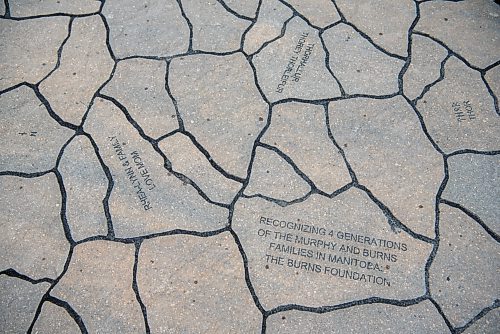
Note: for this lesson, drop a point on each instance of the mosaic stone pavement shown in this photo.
(249, 166)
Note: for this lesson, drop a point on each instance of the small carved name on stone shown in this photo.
(463, 111)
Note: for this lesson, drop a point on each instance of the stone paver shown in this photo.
(26, 8)
(486, 325)
(319, 13)
(54, 319)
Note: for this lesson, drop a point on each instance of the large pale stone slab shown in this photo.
(464, 274)
(195, 285)
(86, 186)
(273, 177)
(145, 198)
(307, 253)
(28, 49)
(139, 85)
(355, 62)
(425, 65)
(308, 145)
(18, 301)
(385, 145)
(30, 139)
(55, 319)
(320, 13)
(243, 7)
(32, 238)
(98, 285)
(227, 113)
(386, 22)
(188, 160)
(469, 28)
(294, 66)
(421, 318)
(85, 65)
(23, 8)
(487, 324)
(459, 112)
(214, 28)
(146, 28)
(272, 17)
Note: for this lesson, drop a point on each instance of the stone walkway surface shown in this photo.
(250, 166)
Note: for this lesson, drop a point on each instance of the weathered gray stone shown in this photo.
(220, 106)
(469, 28)
(493, 79)
(463, 277)
(355, 62)
(32, 238)
(28, 49)
(320, 13)
(23, 8)
(2, 8)
(272, 17)
(139, 84)
(294, 66)
(486, 325)
(195, 285)
(425, 65)
(214, 28)
(86, 186)
(459, 112)
(30, 139)
(422, 318)
(386, 22)
(273, 177)
(18, 301)
(85, 65)
(286, 265)
(188, 160)
(54, 319)
(390, 154)
(243, 7)
(145, 198)
(308, 145)
(98, 285)
(146, 28)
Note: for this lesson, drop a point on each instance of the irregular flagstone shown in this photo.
(139, 85)
(273, 177)
(32, 238)
(23, 8)
(194, 285)
(306, 253)
(214, 28)
(243, 7)
(390, 154)
(98, 285)
(308, 145)
(28, 49)
(55, 319)
(294, 66)
(320, 13)
(476, 21)
(463, 277)
(425, 65)
(146, 28)
(493, 79)
(188, 160)
(86, 186)
(474, 182)
(377, 318)
(487, 324)
(272, 17)
(459, 112)
(30, 139)
(145, 198)
(85, 65)
(18, 301)
(355, 62)
(386, 22)
(227, 112)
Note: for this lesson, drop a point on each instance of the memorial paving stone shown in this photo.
(26, 8)
(320, 13)
(54, 319)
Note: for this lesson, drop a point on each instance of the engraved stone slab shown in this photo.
(30, 139)
(195, 285)
(320, 13)
(32, 238)
(327, 251)
(23, 8)
(294, 66)
(390, 154)
(55, 319)
(459, 112)
(243, 7)
(145, 198)
(487, 324)
(464, 244)
(355, 62)
(308, 145)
